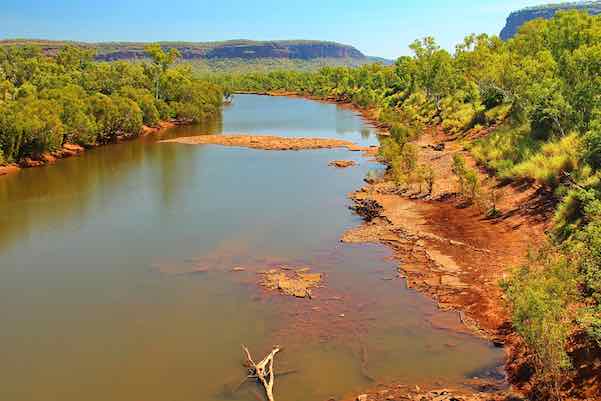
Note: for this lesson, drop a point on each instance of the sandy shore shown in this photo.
(270, 142)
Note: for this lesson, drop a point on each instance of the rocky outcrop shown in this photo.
(518, 18)
(300, 50)
(240, 49)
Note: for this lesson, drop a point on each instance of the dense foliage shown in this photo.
(535, 101)
(46, 102)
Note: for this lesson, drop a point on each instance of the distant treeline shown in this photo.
(541, 90)
(48, 101)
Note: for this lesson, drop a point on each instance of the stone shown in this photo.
(342, 163)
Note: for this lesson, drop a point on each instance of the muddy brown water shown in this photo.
(99, 299)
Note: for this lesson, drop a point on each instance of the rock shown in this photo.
(518, 18)
(238, 269)
(281, 49)
(342, 163)
(294, 284)
(362, 397)
(28, 162)
(369, 209)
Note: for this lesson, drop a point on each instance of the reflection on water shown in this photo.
(98, 299)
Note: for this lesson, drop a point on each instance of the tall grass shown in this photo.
(505, 147)
(554, 158)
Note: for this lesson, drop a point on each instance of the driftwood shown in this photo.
(263, 371)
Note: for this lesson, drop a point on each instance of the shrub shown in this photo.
(404, 164)
(469, 183)
(570, 215)
(548, 115)
(498, 113)
(460, 119)
(491, 96)
(592, 145)
(494, 197)
(146, 102)
(79, 126)
(115, 115)
(539, 293)
(30, 127)
(588, 249)
(459, 169)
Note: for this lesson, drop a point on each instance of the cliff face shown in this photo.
(242, 49)
(305, 51)
(519, 18)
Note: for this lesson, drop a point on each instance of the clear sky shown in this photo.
(376, 27)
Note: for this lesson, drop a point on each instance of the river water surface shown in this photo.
(99, 298)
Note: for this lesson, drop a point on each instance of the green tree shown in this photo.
(161, 61)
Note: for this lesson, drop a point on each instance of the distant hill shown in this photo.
(233, 49)
(518, 18)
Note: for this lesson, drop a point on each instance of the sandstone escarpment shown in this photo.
(518, 18)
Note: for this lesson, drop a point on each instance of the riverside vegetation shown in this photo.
(529, 111)
(46, 102)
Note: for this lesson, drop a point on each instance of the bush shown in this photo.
(592, 145)
(30, 127)
(498, 113)
(115, 115)
(548, 115)
(539, 293)
(146, 102)
(469, 183)
(404, 164)
(588, 249)
(491, 96)
(79, 125)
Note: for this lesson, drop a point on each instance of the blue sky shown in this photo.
(376, 27)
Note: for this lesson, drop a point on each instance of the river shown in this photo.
(116, 281)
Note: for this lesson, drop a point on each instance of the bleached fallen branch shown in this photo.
(263, 371)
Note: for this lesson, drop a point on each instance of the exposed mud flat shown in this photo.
(401, 392)
(270, 142)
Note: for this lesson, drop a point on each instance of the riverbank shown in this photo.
(450, 249)
(71, 150)
(445, 247)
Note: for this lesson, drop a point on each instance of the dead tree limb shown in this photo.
(263, 371)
